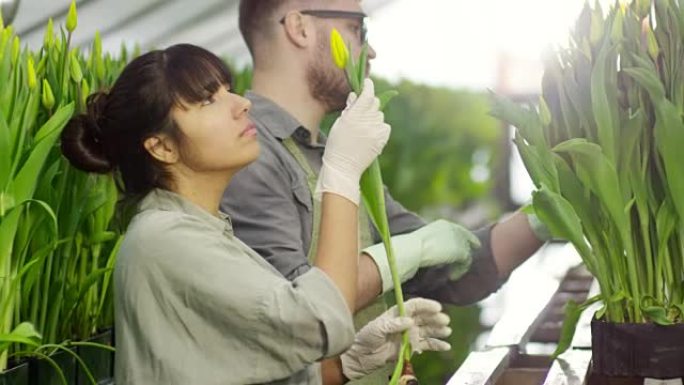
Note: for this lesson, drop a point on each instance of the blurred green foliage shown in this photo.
(443, 146)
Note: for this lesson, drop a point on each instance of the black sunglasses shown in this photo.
(333, 14)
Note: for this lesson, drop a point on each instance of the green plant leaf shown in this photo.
(666, 222)
(572, 315)
(525, 120)
(657, 314)
(101, 237)
(32, 275)
(601, 178)
(680, 307)
(5, 152)
(604, 102)
(107, 278)
(362, 64)
(24, 333)
(25, 182)
(374, 196)
(559, 216)
(669, 130)
(83, 288)
(572, 311)
(93, 345)
(534, 159)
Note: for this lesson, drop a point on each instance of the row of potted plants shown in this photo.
(58, 235)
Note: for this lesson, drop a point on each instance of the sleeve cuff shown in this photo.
(379, 256)
(481, 279)
(538, 228)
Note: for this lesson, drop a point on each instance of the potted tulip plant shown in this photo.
(603, 147)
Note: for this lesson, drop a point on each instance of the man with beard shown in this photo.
(295, 85)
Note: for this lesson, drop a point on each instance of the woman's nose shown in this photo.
(242, 105)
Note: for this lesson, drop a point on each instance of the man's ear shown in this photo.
(162, 148)
(298, 29)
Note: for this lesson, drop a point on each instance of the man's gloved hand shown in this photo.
(378, 343)
(440, 242)
(356, 138)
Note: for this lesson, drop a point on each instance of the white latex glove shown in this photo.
(356, 138)
(438, 243)
(378, 343)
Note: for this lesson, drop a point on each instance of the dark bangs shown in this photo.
(193, 74)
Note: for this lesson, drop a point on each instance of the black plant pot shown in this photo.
(637, 350)
(99, 361)
(43, 373)
(16, 375)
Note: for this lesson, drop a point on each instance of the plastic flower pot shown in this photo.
(16, 375)
(46, 374)
(99, 361)
(637, 350)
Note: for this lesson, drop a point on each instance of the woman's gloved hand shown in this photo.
(378, 343)
(356, 138)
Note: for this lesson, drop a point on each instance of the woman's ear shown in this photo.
(298, 29)
(162, 148)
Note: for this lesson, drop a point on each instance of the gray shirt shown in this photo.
(270, 204)
(194, 305)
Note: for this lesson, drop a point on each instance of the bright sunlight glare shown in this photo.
(459, 43)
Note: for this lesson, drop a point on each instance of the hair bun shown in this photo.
(82, 140)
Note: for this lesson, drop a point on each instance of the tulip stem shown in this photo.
(374, 199)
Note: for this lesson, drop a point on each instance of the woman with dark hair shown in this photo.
(194, 305)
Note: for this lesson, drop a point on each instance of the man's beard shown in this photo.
(327, 83)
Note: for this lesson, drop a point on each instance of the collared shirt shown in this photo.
(270, 204)
(194, 305)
